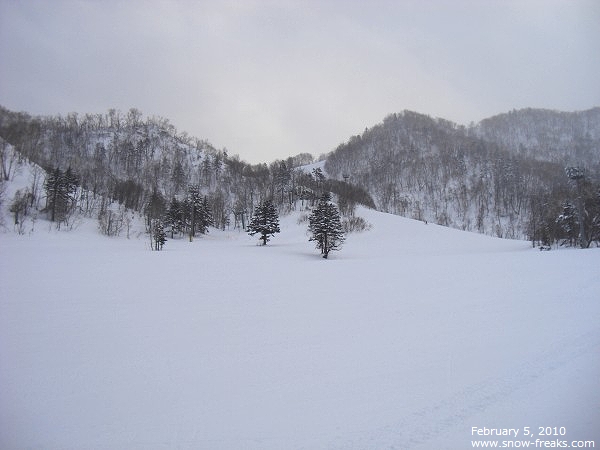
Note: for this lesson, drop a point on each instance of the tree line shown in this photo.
(126, 162)
(411, 165)
(434, 170)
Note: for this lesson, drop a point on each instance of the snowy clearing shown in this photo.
(407, 338)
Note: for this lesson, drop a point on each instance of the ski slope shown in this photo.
(407, 338)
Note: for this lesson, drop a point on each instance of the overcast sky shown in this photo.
(270, 79)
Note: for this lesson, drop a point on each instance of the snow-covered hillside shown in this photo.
(503, 178)
(570, 138)
(407, 338)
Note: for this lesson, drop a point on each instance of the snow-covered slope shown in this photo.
(407, 338)
(487, 178)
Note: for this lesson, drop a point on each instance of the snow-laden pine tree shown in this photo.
(155, 208)
(265, 221)
(157, 234)
(198, 214)
(175, 217)
(60, 193)
(325, 226)
(205, 218)
(568, 223)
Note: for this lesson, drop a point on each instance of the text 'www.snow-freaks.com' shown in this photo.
(526, 437)
(538, 443)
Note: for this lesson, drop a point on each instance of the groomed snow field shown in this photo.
(407, 338)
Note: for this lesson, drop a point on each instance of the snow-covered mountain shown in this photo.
(412, 336)
(503, 177)
(567, 138)
(491, 178)
(146, 164)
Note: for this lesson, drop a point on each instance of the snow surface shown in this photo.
(406, 338)
(308, 168)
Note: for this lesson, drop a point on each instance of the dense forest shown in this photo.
(509, 176)
(531, 174)
(109, 165)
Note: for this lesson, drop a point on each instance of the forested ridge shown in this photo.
(125, 163)
(505, 176)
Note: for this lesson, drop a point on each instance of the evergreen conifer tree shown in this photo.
(325, 226)
(71, 181)
(60, 189)
(158, 234)
(265, 221)
(175, 217)
(198, 215)
(205, 216)
(155, 208)
(192, 208)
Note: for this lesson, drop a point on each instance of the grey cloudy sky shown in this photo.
(270, 79)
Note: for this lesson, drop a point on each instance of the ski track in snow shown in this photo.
(282, 369)
(424, 425)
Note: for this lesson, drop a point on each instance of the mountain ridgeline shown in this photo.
(505, 176)
(124, 162)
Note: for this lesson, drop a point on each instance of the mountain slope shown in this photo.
(146, 165)
(568, 138)
(406, 338)
(504, 177)
(492, 178)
